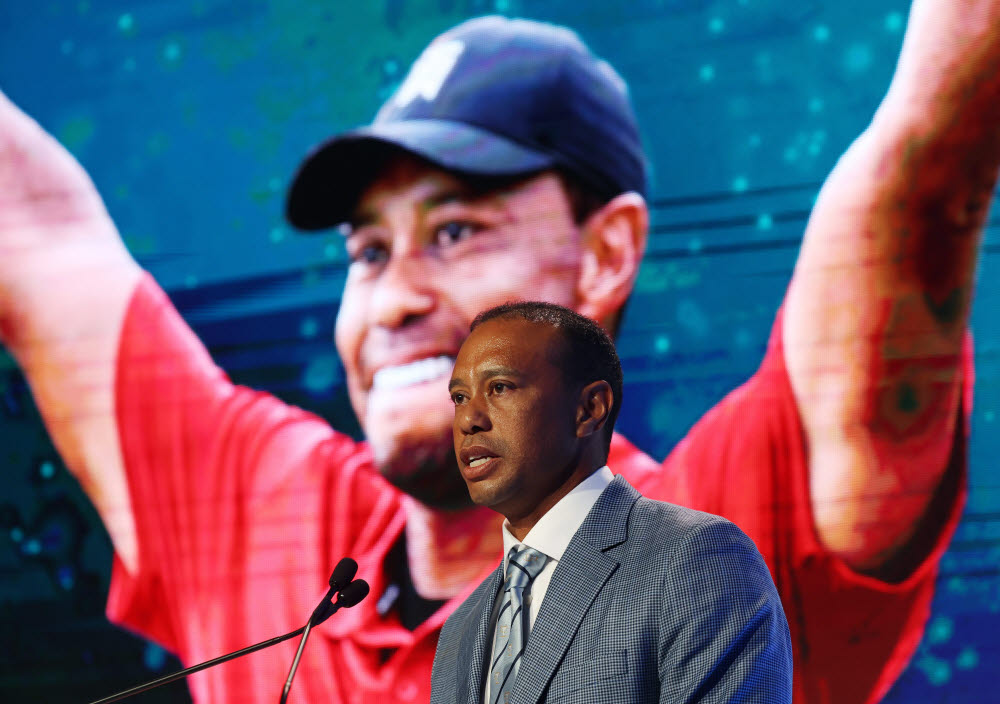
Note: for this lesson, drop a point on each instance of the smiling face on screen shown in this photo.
(427, 254)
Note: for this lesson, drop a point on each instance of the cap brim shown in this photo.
(330, 180)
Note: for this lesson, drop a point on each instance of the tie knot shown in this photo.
(523, 565)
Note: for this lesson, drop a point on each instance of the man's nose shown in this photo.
(472, 417)
(404, 291)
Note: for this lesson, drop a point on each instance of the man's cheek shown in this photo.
(347, 340)
(515, 275)
(415, 410)
(403, 434)
(349, 331)
(489, 276)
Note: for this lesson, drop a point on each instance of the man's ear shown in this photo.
(592, 413)
(614, 240)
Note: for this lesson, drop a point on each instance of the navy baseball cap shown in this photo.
(490, 97)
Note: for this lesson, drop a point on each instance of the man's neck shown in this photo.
(449, 549)
(521, 524)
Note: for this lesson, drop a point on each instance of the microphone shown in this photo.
(352, 594)
(342, 575)
(342, 580)
(348, 597)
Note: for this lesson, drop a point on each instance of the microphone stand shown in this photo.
(197, 668)
(351, 591)
(295, 662)
(349, 596)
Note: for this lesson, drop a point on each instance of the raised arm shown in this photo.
(65, 283)
(878, 305)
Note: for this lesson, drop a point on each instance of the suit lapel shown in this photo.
(578, 578)
(473, 644)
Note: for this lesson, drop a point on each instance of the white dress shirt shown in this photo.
(551, 535)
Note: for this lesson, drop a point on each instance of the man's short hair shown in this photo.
(588, 355)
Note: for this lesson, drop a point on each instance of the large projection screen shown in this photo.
(191, 118)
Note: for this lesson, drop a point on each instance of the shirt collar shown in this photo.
(553, 531)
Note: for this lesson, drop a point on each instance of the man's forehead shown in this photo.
(405, 175)
(428, 191)
(513, 337)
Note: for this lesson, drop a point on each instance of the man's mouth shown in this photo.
(478, 463)
(416, 372)
(476, 455)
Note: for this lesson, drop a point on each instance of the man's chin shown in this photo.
(426, 470)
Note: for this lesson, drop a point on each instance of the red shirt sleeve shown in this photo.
(228, 489)
(746, 460)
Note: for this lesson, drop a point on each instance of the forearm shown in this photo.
(932, 152)
(63, 329)
(946, 79)
(874, 327)
(935, 147)
(65, 283)
(909, 199)
(876, 313)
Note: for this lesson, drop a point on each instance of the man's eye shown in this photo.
(455, 232)
(499, 387)
(457, 398)
(369, 254)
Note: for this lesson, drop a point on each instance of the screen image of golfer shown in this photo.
(227, 507)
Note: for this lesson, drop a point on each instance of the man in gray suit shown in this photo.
(624, 598)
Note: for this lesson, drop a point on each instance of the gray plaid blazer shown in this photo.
(651, 602)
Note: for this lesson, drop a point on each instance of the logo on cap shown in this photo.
(429, 72)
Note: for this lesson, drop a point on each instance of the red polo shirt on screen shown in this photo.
(242, 504)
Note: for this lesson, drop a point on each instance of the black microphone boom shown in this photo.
(166, 679)
(351, 592)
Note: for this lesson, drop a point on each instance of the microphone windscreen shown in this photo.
(343, 573)
(353, 593)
